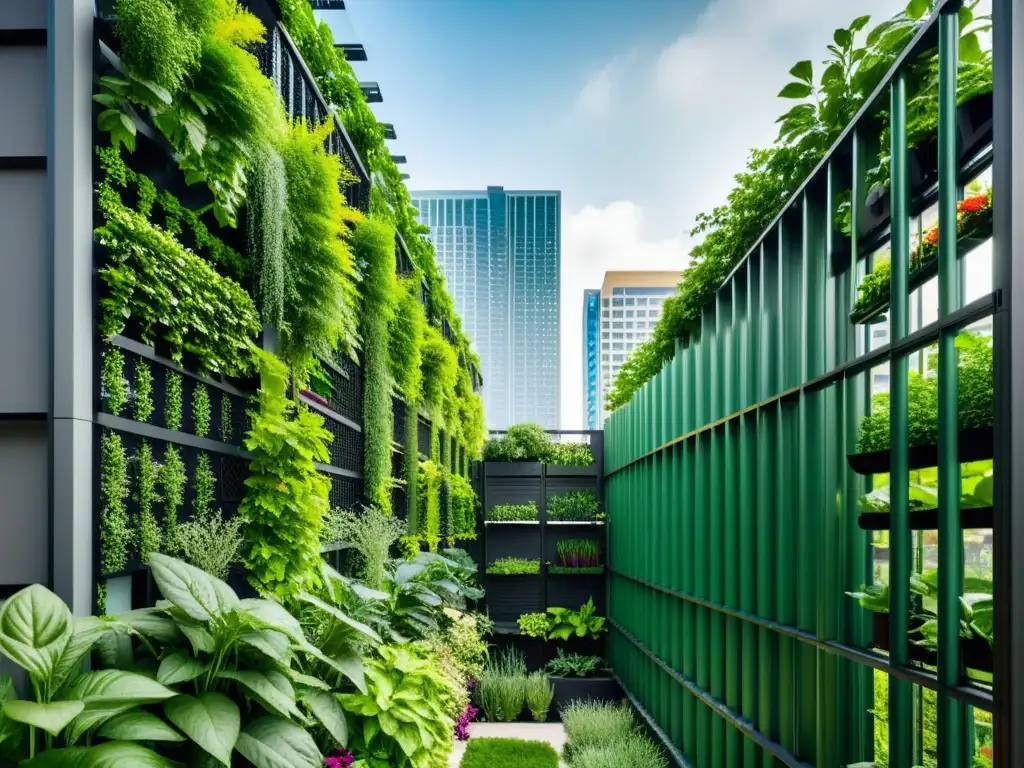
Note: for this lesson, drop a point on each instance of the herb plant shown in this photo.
(172, 486)
(565, 623)
(173, 401)
(539, 694)
(146, 477)
(572, 455)
(513, 566)
(533, 624)
(209, 542)
(574, 505)
(201, 410)
(286, 497)
(202, 485)
(595, 724)
(113, 382)
(635, 749)
(574, 665)
(115, 531)
(143, 401)
(513, 512)
(577, 553)
(227, 432)
(371, 533)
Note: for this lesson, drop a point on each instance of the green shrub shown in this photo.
(286, 497)
(513, 512)
(572, 455)
(464, 503)
(492, 753)
(115, 530)
(113, 382)
(533, 624)
(594, 724)
(635, 750)
(539, 694)
(574, 505)
(371, 533)
(513, 566)
(172, 401)
(374, 248)
(522, 442)
(210, 543)
(146, 477)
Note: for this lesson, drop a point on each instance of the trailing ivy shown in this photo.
(173, 293)
(286, 497)
(172, 485)
(267, 202)
(201, 410)
(320, 292)
(143, 406)
(172, 401)
(146, 476)
(112, 381)
(115, 530)
(203, 483)
(439, 366)
(374, 248)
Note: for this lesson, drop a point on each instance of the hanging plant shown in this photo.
(202, 486)
(112, 381)
(201, 410)
(267, 201)
(226, 429)
(172, 401)
(172, 485)
(143, 391)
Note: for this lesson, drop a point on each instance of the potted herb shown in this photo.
(576, 556)
(578, 677)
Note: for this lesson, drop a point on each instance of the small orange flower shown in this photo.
(972, 204)
(986, 751)
(931, 237)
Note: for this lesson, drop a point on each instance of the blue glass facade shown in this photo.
(500, 252)
(591, 355)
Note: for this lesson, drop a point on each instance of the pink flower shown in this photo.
(339, 758)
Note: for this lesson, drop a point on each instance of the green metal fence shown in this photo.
(734, 529)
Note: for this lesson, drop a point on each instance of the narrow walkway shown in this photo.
(552, 733)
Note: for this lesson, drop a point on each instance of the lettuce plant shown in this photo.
(565, 623)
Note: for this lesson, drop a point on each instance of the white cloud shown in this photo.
(595, 240)
(595, 98)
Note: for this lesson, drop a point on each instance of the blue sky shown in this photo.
(639, 111)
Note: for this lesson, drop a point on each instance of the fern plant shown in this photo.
(286, 497)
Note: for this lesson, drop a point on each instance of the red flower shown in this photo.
(986, 751)
(972, 204)
(931, 237)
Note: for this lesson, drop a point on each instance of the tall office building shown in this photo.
(500, 252)
(630, 308)
(591, 358)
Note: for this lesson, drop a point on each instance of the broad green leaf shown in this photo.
(916, 9)
(110, 692)
(843, 38)
(52, 717)
(85, 632)
(211, 720)
(115, 650)
(9, 729)
(150, 622)
(326, 708)
(339, 615)
(200, 640)
(269, 687)
(274, 743)
(408, 738)
(108, 100)
(197, 593)
(795, 91)
(833, 73)
(306, 680)
(179, 667)
(859, 23)
(270, 642)
(112, 754)
(138, 725)
(803, 71)
(35, 627)
(965, 15)
(272, 615)
(970, 48)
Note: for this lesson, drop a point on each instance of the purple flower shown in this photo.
(339, 758)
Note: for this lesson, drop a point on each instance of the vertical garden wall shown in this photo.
(809, 502)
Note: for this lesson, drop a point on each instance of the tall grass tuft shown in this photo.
(539, 693)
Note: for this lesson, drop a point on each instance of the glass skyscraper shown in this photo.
(591, 358)
(500, 252)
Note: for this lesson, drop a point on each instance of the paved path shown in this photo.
(552, 733)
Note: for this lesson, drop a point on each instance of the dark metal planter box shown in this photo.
(512, 468)
(585, 688)
(974, 445)
(975, 653)
(508, 597)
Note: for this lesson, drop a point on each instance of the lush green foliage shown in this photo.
(219, 678)
(150, 533)
(142, 406)
(152, 280)
(513, 566)
(439, 367)
(464, 503)
(172, 401)
(113, 382)
(572, 455)
(319, 279)
(371, 533)
(539, 693)
(574, 505)
(502, 687)
(595, 724)
(428, 495)
(172, 487)
(410, 471)
(286, 497)
(374, 247)
(210, 542)
(226, 428)
(267, 202)
(574, 665)
(772, 175)
(975, 397)
(461, 644)
(635, 750)
(202, 487)
(533, 624)
(405, 717)
(522, 442)
(492, 752)
(513, 512)
(201, 410)
(115, 532)
(564, 623)
(405, 339)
